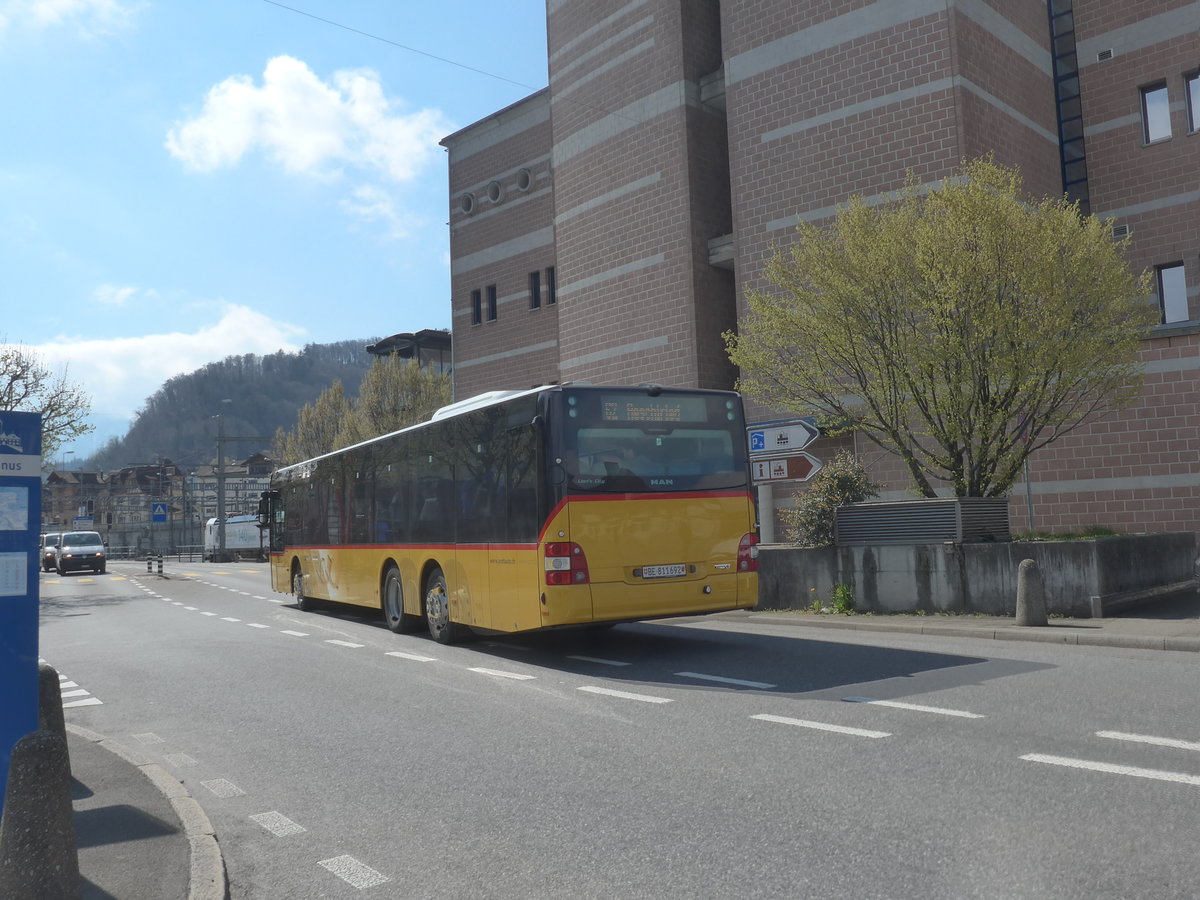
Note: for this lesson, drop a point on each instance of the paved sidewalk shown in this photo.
(140, 834)
(1172, 623)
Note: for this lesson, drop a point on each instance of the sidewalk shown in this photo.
(141, 836)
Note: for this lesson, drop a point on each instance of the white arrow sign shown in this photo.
(781, 437)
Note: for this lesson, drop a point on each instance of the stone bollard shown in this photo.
(50, 709)
(1031, 594)
(38, 856)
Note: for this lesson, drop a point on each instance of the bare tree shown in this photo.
(28, 385)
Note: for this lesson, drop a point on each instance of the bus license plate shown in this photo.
(663, 571)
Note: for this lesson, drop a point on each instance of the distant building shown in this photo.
(607, 227)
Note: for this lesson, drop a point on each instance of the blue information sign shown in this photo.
(20, 523)
(158, 512)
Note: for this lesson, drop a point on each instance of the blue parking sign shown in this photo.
(758, 441)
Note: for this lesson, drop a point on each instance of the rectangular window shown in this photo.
(551, 287)
(1192, 82)
(535, 290)
(476, 307)
(1156, 113)
(491, 297)
(1172, 293)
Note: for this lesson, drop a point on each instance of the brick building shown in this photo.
(606, 227)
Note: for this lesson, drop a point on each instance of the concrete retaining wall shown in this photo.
(981, 578)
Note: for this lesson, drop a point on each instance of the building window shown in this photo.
(476, 307)
(1156, 113)
(491, 295)
(1192, 83)
(551, 287)
(1172, 293)
(535, 290)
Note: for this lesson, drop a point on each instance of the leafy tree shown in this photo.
(812, 521)
(960, 328)
(394, 394)
(27, 385)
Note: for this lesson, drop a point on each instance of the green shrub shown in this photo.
(842, 480)
(842, 599)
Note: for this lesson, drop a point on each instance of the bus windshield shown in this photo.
(628, 441)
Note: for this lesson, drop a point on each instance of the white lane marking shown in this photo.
(63, 683)
(256, 625)
(223, 788)
(346, 644)
(625, 695)
(296, 633)
(413, 656)
(90, 701)
(229, 619)
(499, 674)
(256, 597)
(191, 608)
(273, 600)
(180, 760)
(1149, 739)
(208, 614)
(823, 726)
(148, 737)
(603, 662)
(353, 872)
(1109, 768)
(278, 824)
(915, 707)
(721, 679)
(79, 693)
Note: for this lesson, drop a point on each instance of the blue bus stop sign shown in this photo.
(20, 523)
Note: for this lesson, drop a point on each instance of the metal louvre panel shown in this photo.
(924, 521)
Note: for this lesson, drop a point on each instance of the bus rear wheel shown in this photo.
(398, 621)
(437, 610)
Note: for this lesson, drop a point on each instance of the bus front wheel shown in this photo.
(303, 603)
(437, 610)
(397, 619)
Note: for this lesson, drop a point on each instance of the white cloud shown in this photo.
(89, 17)
(112, 295)
(309, 126)
(120, 373)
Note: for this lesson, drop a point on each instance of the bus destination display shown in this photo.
(624, 408)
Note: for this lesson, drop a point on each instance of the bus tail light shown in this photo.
(748, 553)
(565, 563)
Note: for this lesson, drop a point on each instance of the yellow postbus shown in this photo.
(562, 505)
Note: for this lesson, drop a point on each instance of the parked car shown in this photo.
(80, 550)
(48, 541)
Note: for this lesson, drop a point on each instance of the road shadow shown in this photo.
(656, 653)
(1180, 605)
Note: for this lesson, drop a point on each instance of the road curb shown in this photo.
(1051, 634)
(206, 879)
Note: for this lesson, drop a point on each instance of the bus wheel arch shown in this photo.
(391, 601)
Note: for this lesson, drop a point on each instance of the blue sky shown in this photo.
(182, 181)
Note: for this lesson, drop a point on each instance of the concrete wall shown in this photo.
(979, 578)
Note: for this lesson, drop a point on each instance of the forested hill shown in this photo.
(264, 393)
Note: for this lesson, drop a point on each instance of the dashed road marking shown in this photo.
(256, 625)
(349, 644)
(148, 737)
(1112, 769)
(295, 633)
(721, 679)
(518, 676)
(603, 662)
(1149, 739)
(223, 788)
(624, 695)
(208, 613)
(277, 823)
(915, 707)
(413, 656)
(229, 619)
(353, 872)
(180, 760)
(823, 726)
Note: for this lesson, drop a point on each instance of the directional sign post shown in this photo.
(20, 521)
(777, 457)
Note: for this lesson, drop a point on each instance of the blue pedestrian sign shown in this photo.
(158, 512)
(20, 521)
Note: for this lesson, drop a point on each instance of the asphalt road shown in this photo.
(691, 759)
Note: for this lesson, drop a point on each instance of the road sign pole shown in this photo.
(20, 523)
(766, 514)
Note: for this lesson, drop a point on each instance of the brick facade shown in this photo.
(678, 142)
